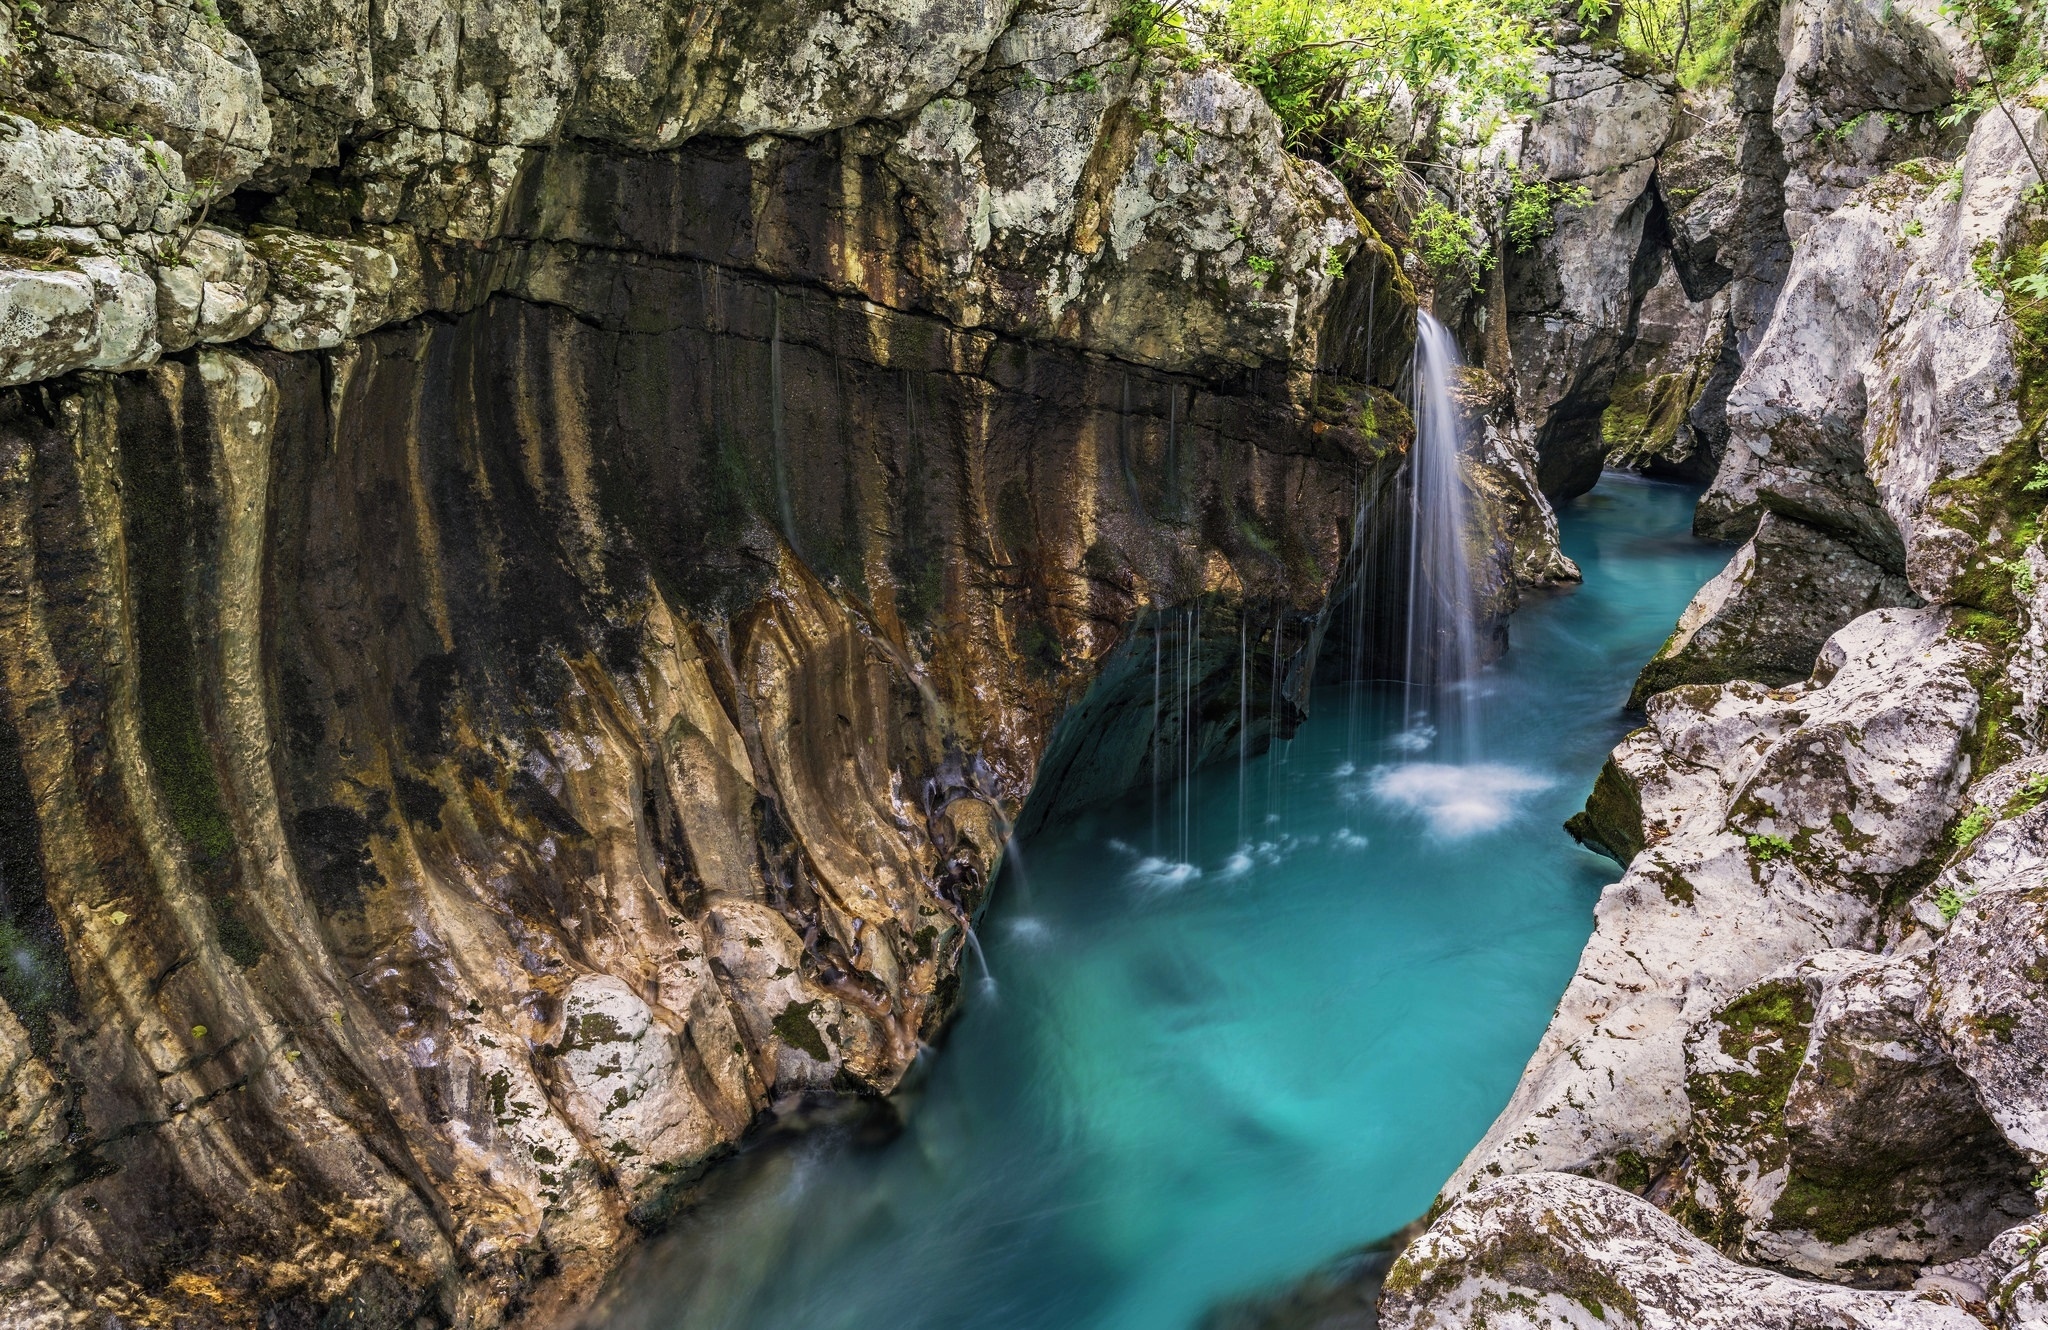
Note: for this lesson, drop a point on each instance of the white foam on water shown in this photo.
(1457, 801)
(1343, 769)
(1029, 930)
(1346, 839)
(1156, 874)
(1236, 866)
(1415, 738)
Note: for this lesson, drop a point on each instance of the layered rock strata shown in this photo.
(544, 549)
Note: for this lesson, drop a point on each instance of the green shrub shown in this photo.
(1532, 205)
(1450, 242)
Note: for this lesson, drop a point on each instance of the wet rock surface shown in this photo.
(528, 656)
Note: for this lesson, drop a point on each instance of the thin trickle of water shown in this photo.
(1189, 728)
(988, 977)
(1244, 714)
(1143, 1123)
(1158, 729)
(785, 509)
(1442, 651)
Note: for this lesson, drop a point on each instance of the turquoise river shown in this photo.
(1194, 1077)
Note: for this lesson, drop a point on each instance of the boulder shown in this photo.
(1832, 1133)
(1768, 613)
(1989, 1003)
(1862, 85)
(325, 292)
(97, 313)
(625, 1088)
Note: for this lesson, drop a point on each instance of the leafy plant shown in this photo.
(1767, 848)
(2020, 572)
(1692, 40)
(1532, 205)
(1344, 76)
(2008, 37)
(2031, 794)
(1260, 264)
(1950, 902)
(1450, 242)
(1974, 824)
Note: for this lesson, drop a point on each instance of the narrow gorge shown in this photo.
(917, 662)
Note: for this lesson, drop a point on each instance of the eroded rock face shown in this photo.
(1767, 614)
(1837, 1137)
(1861, 87)
(1549, 1250)
(1773, 822)
(1861, 1109)
(574, 737)
(483, 763)
(1987, 1003)
(1572, 303)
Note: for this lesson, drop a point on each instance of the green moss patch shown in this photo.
(796, 1028)
(1612, 821)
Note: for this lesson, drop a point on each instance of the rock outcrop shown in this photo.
(1572, 303)
(1549, 1251)
(1803, 1036)
(542, 548)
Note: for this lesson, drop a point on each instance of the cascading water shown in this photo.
(1442, 657)
(1210, 1065)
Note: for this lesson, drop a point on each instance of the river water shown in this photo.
(1194, 1077)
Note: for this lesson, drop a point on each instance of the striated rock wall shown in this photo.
(544, 549)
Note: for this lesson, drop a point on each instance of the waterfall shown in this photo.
(1442, 650)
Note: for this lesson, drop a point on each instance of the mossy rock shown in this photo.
(1612, 821)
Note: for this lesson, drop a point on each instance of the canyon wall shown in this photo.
(1796, 1079)
(542, 550)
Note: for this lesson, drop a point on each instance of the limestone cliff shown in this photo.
(1803, 1028)
(542, 548)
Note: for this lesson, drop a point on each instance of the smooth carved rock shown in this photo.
(1773, 822)
(1572, 302)
(1989, 1001)
(1767, 614)
(519, 654)
(1544, 1251)
(1834, 1136)
(1662, 417)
